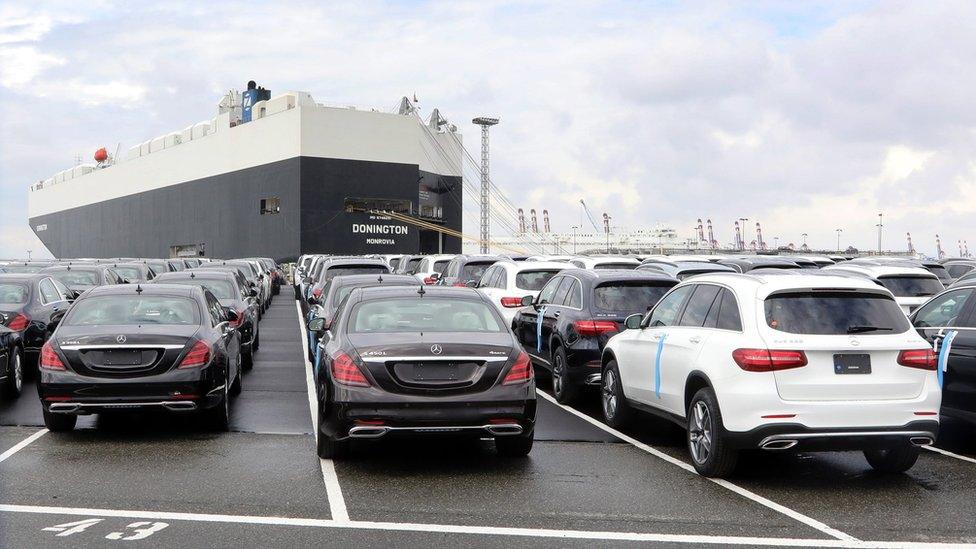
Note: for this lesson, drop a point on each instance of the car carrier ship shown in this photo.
(267, 176)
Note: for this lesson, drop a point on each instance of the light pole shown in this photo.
(485, 122)
(608, 232)
(575, 227)
(838, 238)
(804, 235)
(28, 255)
(745, 237)
(880, 227)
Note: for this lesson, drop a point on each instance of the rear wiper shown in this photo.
(862, 329)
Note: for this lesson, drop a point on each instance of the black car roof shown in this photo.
(193, 273)
(147, 289)
(604, 275)
(352, 280)
(373, 292)
(353, 261)
(22, 277)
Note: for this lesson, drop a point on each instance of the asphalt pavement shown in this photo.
(158, 480)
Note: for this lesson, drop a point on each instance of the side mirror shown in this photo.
(312, 300)
(434, 277)
(231, 314)
(472, 284)
(318, 324)
(527, 300)
(633, 321)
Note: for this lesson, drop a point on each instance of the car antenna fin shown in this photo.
(138, 288)
(380, 279)
(193, 275)
(421, 291)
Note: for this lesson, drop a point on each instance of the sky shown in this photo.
(804, 116)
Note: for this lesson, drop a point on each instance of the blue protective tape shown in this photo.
(943, 363)
(657, 365)
(538, 330)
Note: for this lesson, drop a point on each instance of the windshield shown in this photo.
(221, 289)
(132, 310)
(533, 280)
(624, 298)
(428, 314)
(473, 271)
(912, 286)
(13, 294)
(76, 278)
(839, 313)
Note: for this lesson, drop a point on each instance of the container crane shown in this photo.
(911, 247)
(938, 247)
(712, 243)
(535, 223)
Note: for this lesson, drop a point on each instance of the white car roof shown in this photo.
(876, 271)
(761, 285)
(519, 266)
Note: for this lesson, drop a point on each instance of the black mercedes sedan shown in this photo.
(413, 360)
(79, 277)
(32, 305)
(11, 363)
(141, 346)
(566, 326)
(233, 296)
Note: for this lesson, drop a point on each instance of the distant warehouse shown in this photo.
(273, 177)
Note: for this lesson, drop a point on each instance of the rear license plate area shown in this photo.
(847, 363)
(435, 372)
(122, 358)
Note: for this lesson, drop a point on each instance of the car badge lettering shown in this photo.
(436, 349)
(120, 339)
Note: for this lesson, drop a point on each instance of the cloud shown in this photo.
(21, 64)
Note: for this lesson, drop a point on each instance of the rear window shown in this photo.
(440, 265)
(412, 265)
(354, 270)
(13, 294)
(221, 289)
(628, 297)
(835, 313)
(608, 266)
(955, 270)
(473, 271)
(394, 262)
(76, 278)
(129, 273)
(132, 310)
(533, 280)
(423, 315)
(911, 286)
(941, 272)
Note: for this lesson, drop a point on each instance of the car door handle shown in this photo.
(694, 339)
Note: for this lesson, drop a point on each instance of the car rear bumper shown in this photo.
(796, 437)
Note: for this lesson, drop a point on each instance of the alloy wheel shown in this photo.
(558, 371)
(609, 394)
(700, 433)
(18, 373)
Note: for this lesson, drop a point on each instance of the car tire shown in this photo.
(565, 391)
(330, 448)
(893, 460)
(238, 385)
(616, 411)
(248, 358)
(13, 385)
(218, 417)
(59, 423)
(710, 452)
(515, 446)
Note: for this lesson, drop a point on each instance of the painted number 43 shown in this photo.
(135, 531)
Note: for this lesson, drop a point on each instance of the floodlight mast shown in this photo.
(485, 122)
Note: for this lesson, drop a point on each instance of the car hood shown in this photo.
(450, 344)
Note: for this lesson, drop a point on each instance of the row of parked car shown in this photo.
(752, 352)
(132, 333)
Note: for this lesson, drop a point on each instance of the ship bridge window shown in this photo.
(394, 205)
(270, 205)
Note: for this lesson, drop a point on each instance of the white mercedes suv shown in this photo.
(778, 362)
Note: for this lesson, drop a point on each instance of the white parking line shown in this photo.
(337, 504)
(811, 522)
(472, 530)
(22, 444)
(948, 453)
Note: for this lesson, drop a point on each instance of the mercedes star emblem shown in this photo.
(436, 349)
(120, 339)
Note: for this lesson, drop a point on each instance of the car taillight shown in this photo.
(240, 318)
(346, 372)
(19, 322)
(430, 280)
(50, 359)
(521, 371)
(766, 360)
(199, 355)
(317, 292)
(589, 328)
(511, 302)
(923, 359)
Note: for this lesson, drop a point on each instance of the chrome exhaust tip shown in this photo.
(64, 407)
(921, 441)
(366, 431)
(178, 406)
(504, 429)
(779, 444)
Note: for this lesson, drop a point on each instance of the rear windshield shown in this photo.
(473, 271)
(354, 270)
(956, 270)
(342, 293)
(22, 268)
(685, 274)
(533, 280)
(129, 273)
(394, 262)
(13, 294)
(608, 266)
(131, 310)
(941, 272)
(427, 314)
(440, 265)
(412, 264)
(626, 298)
(911, 286)
(837, 313)
(76, 278)
(221, 289)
